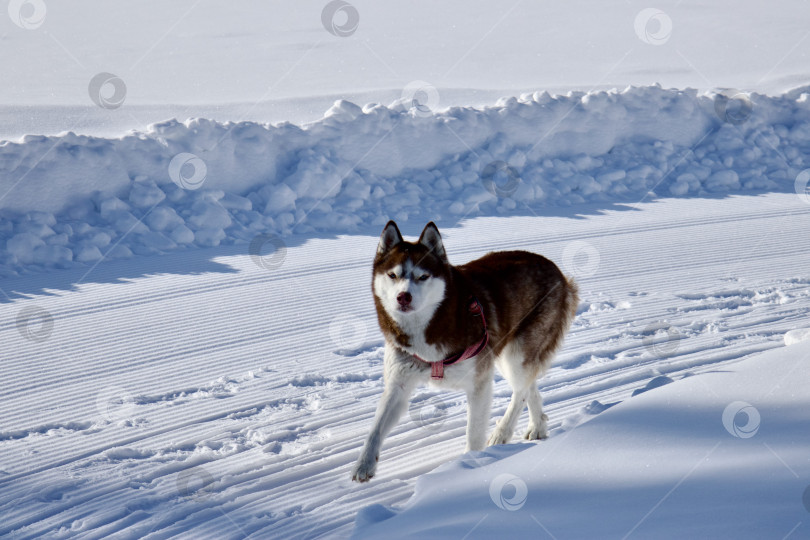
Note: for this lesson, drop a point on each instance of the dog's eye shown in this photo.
(392, 275)
(424, 277)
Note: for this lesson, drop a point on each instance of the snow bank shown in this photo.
(73, 199)
(717, 455)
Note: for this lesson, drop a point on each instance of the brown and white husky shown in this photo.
(450, 325)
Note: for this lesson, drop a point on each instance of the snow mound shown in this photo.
(797, 336)
(72, 199)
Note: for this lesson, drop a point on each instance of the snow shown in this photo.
(190, 197)
(258, 62)
(358, 167)
(715, 455)
(226, 391)
(796, 336)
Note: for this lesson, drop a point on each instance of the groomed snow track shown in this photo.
(198, 395)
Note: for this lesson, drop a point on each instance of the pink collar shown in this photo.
(437, 368)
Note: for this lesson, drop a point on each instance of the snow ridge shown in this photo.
(73, 199)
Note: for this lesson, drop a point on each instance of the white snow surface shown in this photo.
(74, 199)
(207, 394)
(189, 343)
(722, 454)
(268, 61)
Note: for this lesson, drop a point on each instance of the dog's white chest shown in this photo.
(458, 376)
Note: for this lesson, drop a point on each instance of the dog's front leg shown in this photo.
(400, 380)
(479, 411)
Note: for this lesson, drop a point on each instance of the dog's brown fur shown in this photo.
(526, 297)
(500, 281)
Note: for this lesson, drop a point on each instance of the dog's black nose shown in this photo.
(404, 298)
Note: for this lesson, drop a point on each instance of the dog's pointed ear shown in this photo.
(431, 238)
(389, 238)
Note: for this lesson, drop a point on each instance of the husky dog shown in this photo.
(450, 325)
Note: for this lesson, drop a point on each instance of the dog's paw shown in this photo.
(364, 470)
(499, 436)
(536, 433)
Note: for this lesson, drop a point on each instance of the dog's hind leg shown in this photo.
(537, 419)
(510, 364)
(503, 432)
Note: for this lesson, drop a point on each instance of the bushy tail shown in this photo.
(571, 301)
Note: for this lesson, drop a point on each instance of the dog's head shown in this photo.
(410, 278)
